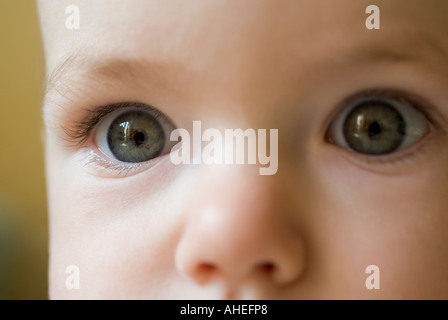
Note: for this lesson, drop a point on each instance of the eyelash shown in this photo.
(417, 102)
(83, 130)
(119, 169)
(80, 133)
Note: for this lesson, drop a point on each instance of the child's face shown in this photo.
(361, 181)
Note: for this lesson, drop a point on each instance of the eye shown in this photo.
(133, 135)
(378, 125)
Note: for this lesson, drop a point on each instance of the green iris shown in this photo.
(374, 127)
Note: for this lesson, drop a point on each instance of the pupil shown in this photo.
(138, 137)
(374, 129)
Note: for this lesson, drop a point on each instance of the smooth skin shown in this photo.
(224, 231)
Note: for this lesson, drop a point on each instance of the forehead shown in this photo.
(196, 30)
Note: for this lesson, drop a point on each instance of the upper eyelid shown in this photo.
(80, 132)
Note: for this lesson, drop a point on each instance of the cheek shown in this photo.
(121, 233)
(398, 223)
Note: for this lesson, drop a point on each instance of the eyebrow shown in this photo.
(413, 48)
(123, 71)
(378, 54)
(131, 71)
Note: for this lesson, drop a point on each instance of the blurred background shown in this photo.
(23, 220)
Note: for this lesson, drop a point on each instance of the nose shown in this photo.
(235, 231)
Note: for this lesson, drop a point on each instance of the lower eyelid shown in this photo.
(403, 161)
(100, 166)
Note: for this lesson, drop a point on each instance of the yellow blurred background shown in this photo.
(23, 221)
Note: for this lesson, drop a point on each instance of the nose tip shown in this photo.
(237, 230)
(218, 246)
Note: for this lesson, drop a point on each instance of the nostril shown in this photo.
(206, 267)
(267, 267)
(205, 272)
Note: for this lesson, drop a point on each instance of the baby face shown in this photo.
(362, 178)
